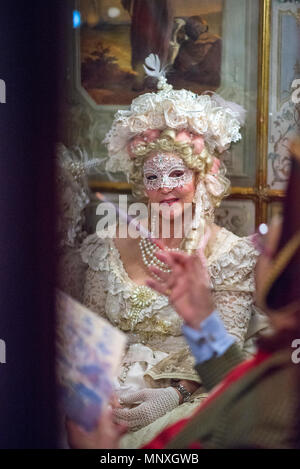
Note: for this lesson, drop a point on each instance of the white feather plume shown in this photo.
(153, 67)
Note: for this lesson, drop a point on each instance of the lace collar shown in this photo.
(123, 274)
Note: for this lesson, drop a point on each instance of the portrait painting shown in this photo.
(117, 35)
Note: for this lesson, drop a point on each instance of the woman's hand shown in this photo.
(106, 435)
(150, 404)
(188, 286)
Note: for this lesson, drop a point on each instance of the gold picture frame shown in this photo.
(258, 190)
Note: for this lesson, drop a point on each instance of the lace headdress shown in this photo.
(217, 121)
(196, 127)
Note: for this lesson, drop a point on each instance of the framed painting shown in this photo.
(117, 35)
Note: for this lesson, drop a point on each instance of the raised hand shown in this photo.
(188, 285)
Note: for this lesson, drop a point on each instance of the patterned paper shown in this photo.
(89, 351)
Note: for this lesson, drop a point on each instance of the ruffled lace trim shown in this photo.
(94, 252)
(231, 263)
(179, 365)
(233, 268)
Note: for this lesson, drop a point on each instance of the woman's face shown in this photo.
(169, 183)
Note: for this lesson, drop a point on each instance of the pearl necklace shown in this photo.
(148, 250)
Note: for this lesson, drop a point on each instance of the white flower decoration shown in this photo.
(215, 119)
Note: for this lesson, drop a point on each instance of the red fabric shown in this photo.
(161, 440)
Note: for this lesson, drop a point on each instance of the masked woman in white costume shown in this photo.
(168, 144)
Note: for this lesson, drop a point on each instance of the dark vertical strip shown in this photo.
(30, 37)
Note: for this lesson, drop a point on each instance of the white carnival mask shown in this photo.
(166, 171)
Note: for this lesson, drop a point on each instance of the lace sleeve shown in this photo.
(235, 309)
(232, 275)
(233, 268)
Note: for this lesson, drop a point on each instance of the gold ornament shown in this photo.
(141, 298)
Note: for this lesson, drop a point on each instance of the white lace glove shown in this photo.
(150, 405)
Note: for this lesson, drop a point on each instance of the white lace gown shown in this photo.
(157, 351)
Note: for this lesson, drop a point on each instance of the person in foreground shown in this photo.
(253, 403)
